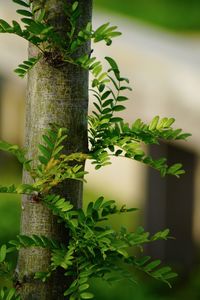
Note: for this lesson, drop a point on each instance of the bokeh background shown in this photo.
(159, 52)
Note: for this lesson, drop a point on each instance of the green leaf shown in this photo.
(112, 63)
(44, 151)
(161, 235)
(142, 261)
(183, 136)
(169, 122)
(101, 29)
(154, 123)
(8, 189)
(122, 98)
(74, 5)
(119, 108)
(86, 295)
(106, 111)
(174, 168)
(98, 203)
(131, 209)
(89, 208)
(25, 13)
(106, 232)
(170, 275)
(43, 160)
(116, 119)
(3, 253)
(17, 28)
(107, 102)
(125, 88)
(22, 3)
(26, 66)
(161, 271)
(118, 152)
(47, 140)
(101, 87)
(5, 26)
(123, 252)
(11, 293)
(84, 287)
(105, 95)
(152, 265)
(97, 107)
(57, 150)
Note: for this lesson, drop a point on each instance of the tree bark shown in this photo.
(54, 95)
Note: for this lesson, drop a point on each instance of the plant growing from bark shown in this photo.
(61, 246)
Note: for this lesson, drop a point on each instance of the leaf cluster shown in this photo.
(111, 136)
(54, 47)
(94, 250)
(9, 294)
(53, 166)
(6, 272)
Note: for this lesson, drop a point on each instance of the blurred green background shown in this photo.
(181, 16)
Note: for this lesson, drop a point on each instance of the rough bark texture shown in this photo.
(54, 95)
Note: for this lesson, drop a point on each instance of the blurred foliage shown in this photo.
(148, 290)
(180, 15)
(10, 172)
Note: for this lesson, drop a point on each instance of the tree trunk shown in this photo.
(54, 95)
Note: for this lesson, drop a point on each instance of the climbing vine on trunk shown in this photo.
(90, 249)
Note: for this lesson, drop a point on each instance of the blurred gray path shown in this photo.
(153, 40)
